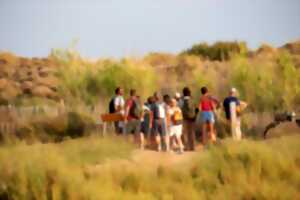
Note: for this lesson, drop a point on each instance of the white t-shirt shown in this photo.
(162, 110)
(120, 102)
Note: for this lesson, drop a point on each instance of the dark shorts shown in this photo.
(145, 127)
(118, 127)
(159, 127)
(133, 126)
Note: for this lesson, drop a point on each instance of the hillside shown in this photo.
(65, 75)
(25, 77)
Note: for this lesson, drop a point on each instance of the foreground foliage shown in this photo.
(231, 170)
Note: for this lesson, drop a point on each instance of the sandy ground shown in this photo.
(148, 160)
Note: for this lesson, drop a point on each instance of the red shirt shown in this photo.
(129, 104)
(206, 103)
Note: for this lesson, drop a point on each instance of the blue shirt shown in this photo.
(226, 105)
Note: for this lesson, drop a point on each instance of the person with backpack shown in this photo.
(176, 125)
(189, 117)
(207, 105)
(146, 123)
(133, 113)
(159, 124)
(116, 105)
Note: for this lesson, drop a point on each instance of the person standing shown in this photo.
(207, 105)
(133, 114)
(189, 117)
(117, 105)
(159, 126)
(176, 125)
(146, 123)
(232, 108)
(166, 107)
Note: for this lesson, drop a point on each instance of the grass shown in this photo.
(76, 169)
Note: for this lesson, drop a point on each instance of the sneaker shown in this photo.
(159, 148)
(180, 151)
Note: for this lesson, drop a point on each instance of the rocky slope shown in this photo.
(25, 77)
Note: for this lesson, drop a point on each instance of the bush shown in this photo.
(48, 129)
(71, 170)
(83, 81)
(219, 51)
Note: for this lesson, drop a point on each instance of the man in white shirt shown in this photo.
(119, 104)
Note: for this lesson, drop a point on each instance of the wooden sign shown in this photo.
(114, 117)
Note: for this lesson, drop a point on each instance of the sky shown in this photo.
(118, 28)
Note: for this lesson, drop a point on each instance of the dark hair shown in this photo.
(166, 98)
(117, 90)
(132, 92)
(150, 100)
(186, 91)
(204, 90)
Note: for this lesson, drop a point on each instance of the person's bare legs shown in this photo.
(184, 136)
(158, 143)
(179, 141)
(167, 142)
(204, 133)
(142, 141)
(211, 131)
(171, 142)
(191, 136)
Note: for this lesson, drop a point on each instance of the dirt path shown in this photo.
(148, 160)
(154, 159)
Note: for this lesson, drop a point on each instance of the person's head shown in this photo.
(132, 92)
(177, 96)
(119, 91)
(186, 92)
(166, 98)
(233, 92)
(156, 96)
(204, 90)
(173, 102)
(151, 100)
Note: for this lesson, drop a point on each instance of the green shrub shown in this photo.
(218, 51)
(86, 82)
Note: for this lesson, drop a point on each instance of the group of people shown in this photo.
(169, 123)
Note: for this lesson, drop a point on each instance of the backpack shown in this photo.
(135, 110)
(111, 106)
(177, 117)
(187, 112)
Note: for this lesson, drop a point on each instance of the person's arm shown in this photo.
(151, 118)
(127, 108)
(215, 101)
(243, 105)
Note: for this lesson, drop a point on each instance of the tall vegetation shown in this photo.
(266, 83)
(85, 81)
(219, 51)
(71, 170)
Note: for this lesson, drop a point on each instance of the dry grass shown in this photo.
(231, 170)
